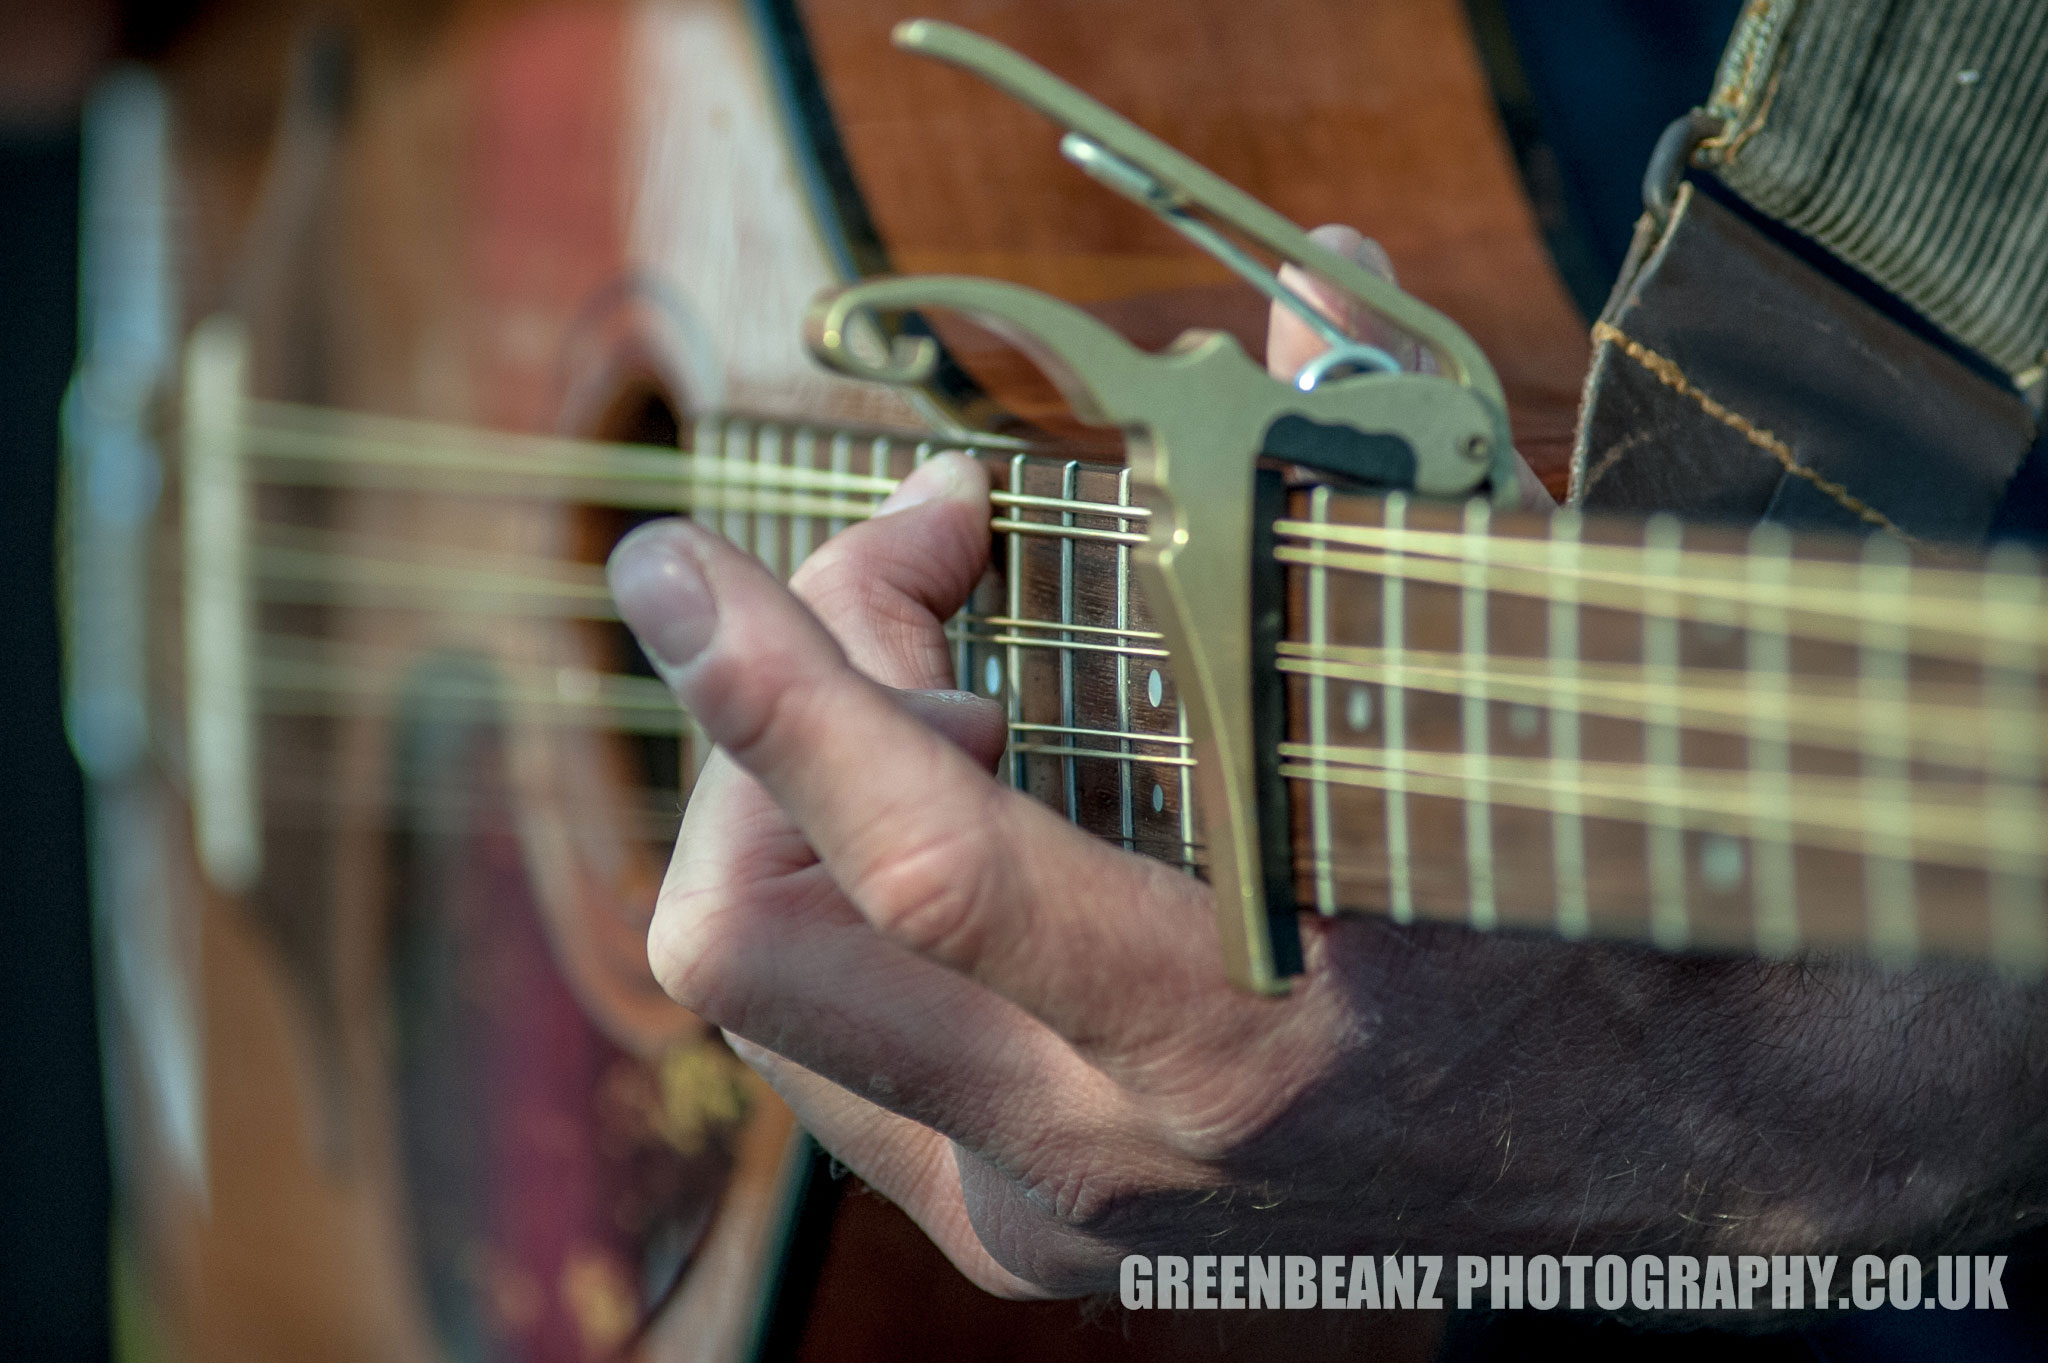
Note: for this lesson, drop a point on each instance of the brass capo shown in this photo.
(1197, 418)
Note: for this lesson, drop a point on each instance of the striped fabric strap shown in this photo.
(1910, 138)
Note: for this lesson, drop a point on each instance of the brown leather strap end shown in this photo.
(1734, 380)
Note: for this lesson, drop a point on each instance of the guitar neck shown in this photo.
(1695, 736)
(1631, 729)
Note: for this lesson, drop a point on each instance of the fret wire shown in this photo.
(1888, 819)
(1127, 818)
(692, 751)
(881, 452)
(1662, 752)
(1567, 822)
(1187, 788)
(1394, 715)
(1319, 714)
(1013, 645)
(1474, 720)
(804, 458)
(734, 524)
(697, 505)
(2012, 699)
(1773, 875)
(768, 528)
(1069, 476)
(841, 458)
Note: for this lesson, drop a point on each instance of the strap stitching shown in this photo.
(1667, 372)
(1613, 455)
(1728, 147)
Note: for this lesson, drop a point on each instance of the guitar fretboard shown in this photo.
(1690, 735)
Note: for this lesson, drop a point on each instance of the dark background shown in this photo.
(1591, 84)
(53, 1164)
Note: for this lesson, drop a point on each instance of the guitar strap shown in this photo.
(1835, 309)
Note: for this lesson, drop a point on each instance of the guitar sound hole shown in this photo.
(642, 413)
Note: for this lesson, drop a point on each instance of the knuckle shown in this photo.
(829, 567)
(863, 599)
(848, 570)
(754, 704)
(937, 896)
(686, 955)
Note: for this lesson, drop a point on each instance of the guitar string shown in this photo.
(1830, 588)
(1616, 561)
(1944, 815)
(1943, 725)
(301, 566)
(1948, 613)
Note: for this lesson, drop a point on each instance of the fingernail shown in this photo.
(949, 474)
(660, 592)
(1356, 247)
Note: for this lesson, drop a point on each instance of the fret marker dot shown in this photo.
(1358, 708)
(1524, 721)
(992, 676)
(1158, 791)
(1155, 687)
(1720, 861)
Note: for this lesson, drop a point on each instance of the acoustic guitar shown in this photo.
(383, 790)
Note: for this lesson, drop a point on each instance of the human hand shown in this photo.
(1023, 1036)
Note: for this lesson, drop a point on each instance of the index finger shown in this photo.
(934, 853)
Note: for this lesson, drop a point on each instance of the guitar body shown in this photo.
(415, 1095)
(448, 1112)
(1376, 115)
